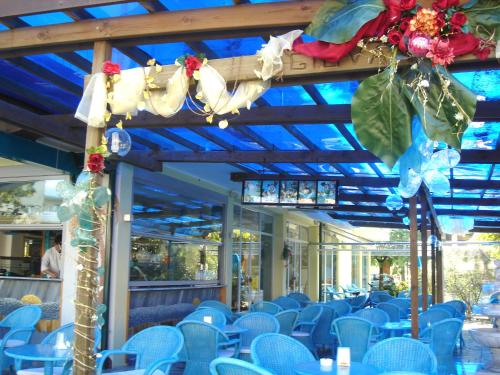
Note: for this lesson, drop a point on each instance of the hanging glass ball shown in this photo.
(437, 182)
(119, 141)
(406, 220)
(433, 239)
(394, 202)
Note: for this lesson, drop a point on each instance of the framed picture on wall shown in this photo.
(252, 191)
(270, 191)
(327, 192)
(307, 192)
(289, 192)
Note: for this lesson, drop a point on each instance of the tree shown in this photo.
(465, 286)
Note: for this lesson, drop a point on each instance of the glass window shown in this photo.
(266, 222)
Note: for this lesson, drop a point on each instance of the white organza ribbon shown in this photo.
(92, 107)
(168, 102)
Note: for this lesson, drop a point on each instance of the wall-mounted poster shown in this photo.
(251, 191)
(270, 191)
(327, 192)
(288, 192)
(307, 192)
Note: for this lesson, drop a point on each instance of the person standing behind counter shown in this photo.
(52, 261)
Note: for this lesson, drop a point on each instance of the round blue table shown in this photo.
(41, 353)
(231, 329)
(396, 327)
(356, 368)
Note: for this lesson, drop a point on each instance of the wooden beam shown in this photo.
(384, 210)
(433, 262)
(209, 22)
(439, 270)
(423, 239)
(414, 267)
(357, 198)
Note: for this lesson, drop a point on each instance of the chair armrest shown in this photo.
(229, 343)
(14, 333)
(102, 356)
(159, 364)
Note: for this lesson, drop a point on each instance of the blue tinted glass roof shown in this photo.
(124, 61)
(484, 83)
(292, 95)
(496, 173)
(279, 137)
(257, 168)
(471, 171)
(117, 10)
(182, 4)
(162, 142)
(235, 47)
(362, 169)
(235, 138)
(481, 136)
(46, 19)
(324, 168)
(60, 66)
(325, 136)
(290, 168)
(338, 92)
(166, 53)
(196, 138)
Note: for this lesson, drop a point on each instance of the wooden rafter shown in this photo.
(372, 198)
(384, 210)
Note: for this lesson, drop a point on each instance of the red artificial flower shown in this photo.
(419, 44)
(458, 19)
(438, 5)
(455, 29)
(394, 37)
(482, 54)
(453, 3)
(440, 52)
(110, 68)
(408, 4)
(192, 63)
(95, 164)
(440, 20)
(405, 23)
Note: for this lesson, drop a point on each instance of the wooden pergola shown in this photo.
(34, 115)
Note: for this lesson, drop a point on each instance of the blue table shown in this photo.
(396, 327)
(356, 368)
(231, 330)
(42, 353)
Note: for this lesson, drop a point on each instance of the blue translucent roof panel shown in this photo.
(350, 127)
(235, 47)
(117, 10)
(325, 169)
(46, 19)
(60, 66)
(279, 137)
(496, 173)
(463, 193)
(124, 61)
(471, 171)
(3, 27)
(358, 169)
(86, 53)
(162, 142)
(481, 136)
(166, 53)
(386, 171)
(257, 168)
(484, 83)
(350, 190)
(196, 138)
(378, 191)
(183, 4)
(291, 95)
(338, 92)
(235, 138)
(325, 136)
(290, 168)
(490, 193)
(488, 208)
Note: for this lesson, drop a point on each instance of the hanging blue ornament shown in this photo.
(101, 196)
(119, 141)
(445, 159)
(394, 202)
(406, 220)
(412, 185)
(433, 239)
(437, 182)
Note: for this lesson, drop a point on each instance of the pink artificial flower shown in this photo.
(419, 45)
(440, 52)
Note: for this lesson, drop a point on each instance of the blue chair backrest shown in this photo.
(217, 305)
(256, 324)
(69, 335)
(279, 353)
(154, 343)
(421, 300)
(379, 296)
(232, 366)
(431, 316)
(401, 354)
(376, 316)
(310, 314)
(404, 294)
(266, 307)
(444, 336)
(341, 307)
(403, 304)
(218, 317)
(287, 303)
(460, 306)
(300, 298)
(322, 334)
(393, 311)
(354, 333)
(358, 301)
(453, 311)
(287, 319)
(495, 298)
(24, 317)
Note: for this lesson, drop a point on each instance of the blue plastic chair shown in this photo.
(20, 325)
(301, 298)
(154, 348)
(255, 324)
(421, 299)
(333, 294)
(404, 294)
(203, 343)
(404, 305)
(401, 354)
(287, 303)
(444, 336)
(443, 306)
(427, 318)
(232, 366)
(306, 325)
(392, 310)
(377, 317)
(354, 333)
(218, 317)
(358, 302)
(279, 354)
(379, 296)
(322, 336)
(341, 307)
(460, 306)
(219, 306)
(287, 319)
(266, 307)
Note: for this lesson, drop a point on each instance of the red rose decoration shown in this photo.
(455, 29)
(439, 5)
(95, 164)
(458, 19)
(482, 54)
(453, 3)
(405, 22)
(440, 20)
(394, 37)
(110, 68)
(408, 4)
(192, 63)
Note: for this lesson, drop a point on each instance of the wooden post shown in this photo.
(439, 270)
(423, 238)
(433, 262)
(86, 287)
(414, 266)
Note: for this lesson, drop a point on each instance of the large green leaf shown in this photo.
(442, 121)
(382, 116)
(484, 18)
(337, 21)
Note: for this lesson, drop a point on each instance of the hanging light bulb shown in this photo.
(394, 202)
(119, 141)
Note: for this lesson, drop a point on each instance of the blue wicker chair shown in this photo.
(379, 296)
(218, 317)
(443, 306)
(377, 317)
(421, 300)
(358, 302)
(219, 306)
(392, 310)
(306, 325)
(444, 336)
(427, 318)
(287, 303)
(255, 324)
(401, 354)
(154, 348)
(203, 343)
(333, 294)
(404, 294)
(287, 321)
(279, 353)
(301, 298)
(232, 366)
(341, 307)
(323, 336)
(404, 305)
(266, 307)
(460, 306)
(355, 333)
(20, 325)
